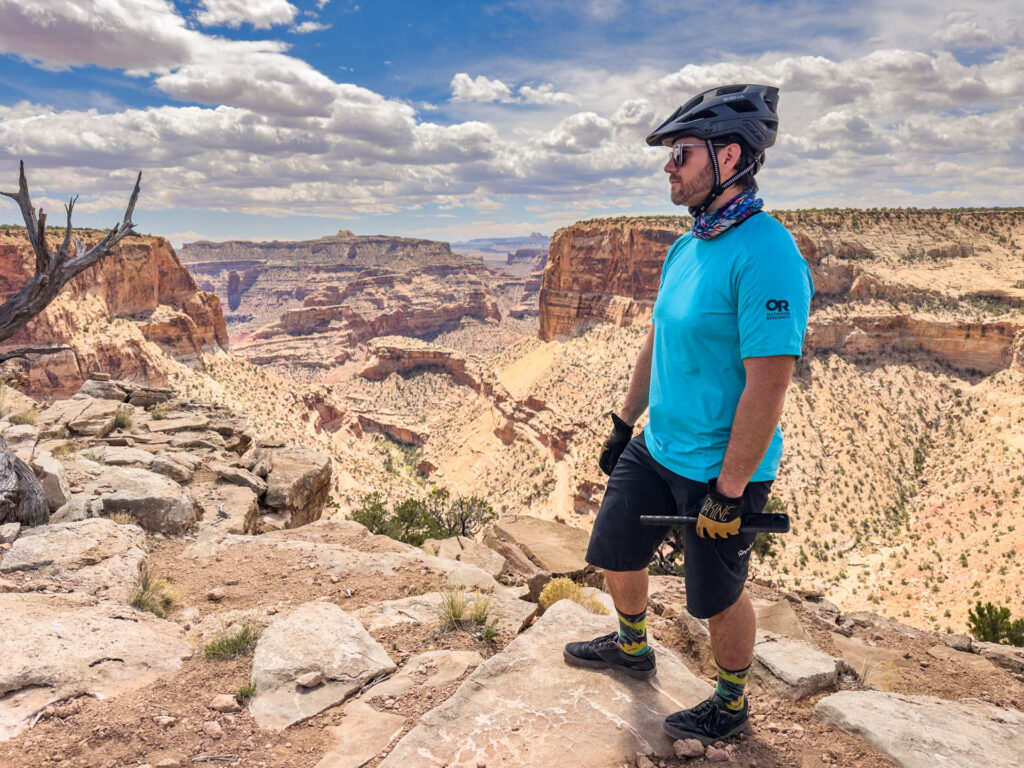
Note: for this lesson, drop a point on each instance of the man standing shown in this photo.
(727, 328)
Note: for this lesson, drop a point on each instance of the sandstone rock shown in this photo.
(224, 702)
(212, 729)
(18, 436)
(800, 667)
(78, 645)
(297, 483)
(230, 508)
(923, 731)
(144, 397)
(201, 440)
(168, 464)
(104, 390)
(516, 560)
(97, 556)
(958, 642)
(427, 670)
(524, 706)
(9, 532)
(362, 735)
(119, 457)
(688, 748)
(83, 415)
(81, 506)
(504, 606)
(780, 619)
(54, 480)
(553, 547)
(310, 679)
(715, 755)
(1004, 656)
(315, 637)
(466, 550)
(242, 477)
(877, 667)
(192, 422)
(157, 503)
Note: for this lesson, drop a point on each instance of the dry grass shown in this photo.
(154, 593)
(567, 589)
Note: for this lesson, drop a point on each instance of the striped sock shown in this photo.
(633, 633)
(730, 687)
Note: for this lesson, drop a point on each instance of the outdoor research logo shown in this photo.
(778, 309)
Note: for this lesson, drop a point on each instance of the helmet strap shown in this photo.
(720, 186)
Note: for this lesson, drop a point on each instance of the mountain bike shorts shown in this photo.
(715, 569)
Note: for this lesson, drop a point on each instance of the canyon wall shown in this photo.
(127, 315)
(945, 283)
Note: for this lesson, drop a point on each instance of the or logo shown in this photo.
(778, 309)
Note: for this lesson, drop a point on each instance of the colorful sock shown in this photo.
(730, 687)
(633, 633)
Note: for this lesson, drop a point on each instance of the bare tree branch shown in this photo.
(54, 270)
(21, 494)
(24, 352)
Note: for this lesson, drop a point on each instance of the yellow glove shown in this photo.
(719, 515)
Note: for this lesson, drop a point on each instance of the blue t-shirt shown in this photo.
(745, 293)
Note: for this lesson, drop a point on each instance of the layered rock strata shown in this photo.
(125, 315)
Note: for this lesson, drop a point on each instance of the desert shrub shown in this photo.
(567, 589)
(122, 518)
(154, 593)
(994, 625)
(245, 693)
(27, 416)
(414, 520)
(123, 419)
(61, 452)
(458, 611)
(230, 645)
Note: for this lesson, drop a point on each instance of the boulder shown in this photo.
(516, 560)
(54, 480)
(104, 390)
(361, 736)
(9, 532)
(143, 397)
(230, 508)
(157, 503)
(554, 547)
(78, 645)
(243, 477)
(96, 556)
(297, 483)
(795, 668)
(924, 731)
(526, 707)
(82, 415)
(171, 465)
(210, 441)
(465, 550)
(780, 619)
(122, 456)
(877, 667)
(431, 669)
(315, 637)
(1005, 656)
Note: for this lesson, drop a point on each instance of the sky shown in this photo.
(293, 119)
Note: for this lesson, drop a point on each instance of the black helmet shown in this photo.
(746, 110)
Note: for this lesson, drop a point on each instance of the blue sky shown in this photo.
(262, 119)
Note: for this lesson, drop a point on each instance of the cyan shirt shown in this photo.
(745, 293)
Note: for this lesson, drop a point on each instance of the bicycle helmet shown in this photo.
(748, 111)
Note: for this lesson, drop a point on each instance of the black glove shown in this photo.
(719, 515)
(615, 444)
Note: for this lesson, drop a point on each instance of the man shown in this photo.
(727, 327)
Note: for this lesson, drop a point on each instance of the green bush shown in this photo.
(438, 515)
(228, 646)
(994, 625)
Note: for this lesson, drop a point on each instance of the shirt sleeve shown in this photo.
(773, 300)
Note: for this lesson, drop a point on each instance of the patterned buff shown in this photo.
(708, 225)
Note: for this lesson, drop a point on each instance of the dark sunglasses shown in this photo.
(678, 153)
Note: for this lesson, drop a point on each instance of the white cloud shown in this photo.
(544, 94)
(261, 14)
(309, 26)
(466, 88)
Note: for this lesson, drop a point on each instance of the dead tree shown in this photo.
(20, 492)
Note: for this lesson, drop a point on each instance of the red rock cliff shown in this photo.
(119, 316)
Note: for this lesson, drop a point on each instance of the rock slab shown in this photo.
(924, 731)
(362, 734)
(796, 668)
(315, 637)
(525, 708)
(556, 548)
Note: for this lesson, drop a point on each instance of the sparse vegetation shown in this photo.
(245, 693)
(154, 593)
(567, 589)
(414, 520)
(26, 416)
(231, 645)
(122, 518)
(123, 419)
(458, 611)
(995, 625)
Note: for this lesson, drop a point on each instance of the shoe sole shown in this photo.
(576, 661)
(677, 733)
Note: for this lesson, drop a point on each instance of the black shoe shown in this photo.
(604, 652)
(707, 722)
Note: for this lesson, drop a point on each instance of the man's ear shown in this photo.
(729, 157)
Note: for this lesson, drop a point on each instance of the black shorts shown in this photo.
(715, 569)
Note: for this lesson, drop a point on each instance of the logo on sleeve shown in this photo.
(778, 309)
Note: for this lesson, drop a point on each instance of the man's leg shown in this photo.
(732, 634)
(628, 590)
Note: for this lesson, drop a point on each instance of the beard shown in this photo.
(691, 192)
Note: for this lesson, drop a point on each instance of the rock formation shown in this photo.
(120, 316)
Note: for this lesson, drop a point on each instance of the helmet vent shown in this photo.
(741, 105)
(704, 114)
(725, 90)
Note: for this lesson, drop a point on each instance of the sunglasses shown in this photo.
(678, 153)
